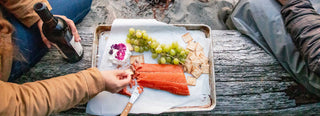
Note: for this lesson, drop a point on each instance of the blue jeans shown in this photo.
(29, 41)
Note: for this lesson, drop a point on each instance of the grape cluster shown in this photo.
(165, 53)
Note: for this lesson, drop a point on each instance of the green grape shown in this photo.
(136, 48)
(149, 39)
(163, 46)
(176, 61)
(154, 40)
(131, 31)
(154, 55)
(158, 50)
(136, 42)
(187, 51)
(162, 60)
(168, 59)
(153, 45)
(129, 36)
(183, 56)
(128, 40)
(174, 44)
(143, 31)
(138, 34)
(182, 53)
(145, 36)
(179, 49)
(172, 52)
(159, 62)
(142, 42)
(145, 48)
(152, 50)
(182, 60)
(157, 44)
(167, 48)
(141, 49)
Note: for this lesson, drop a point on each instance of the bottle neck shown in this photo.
(51, 22)
(45, 15)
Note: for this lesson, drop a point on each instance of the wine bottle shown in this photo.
(59, 33)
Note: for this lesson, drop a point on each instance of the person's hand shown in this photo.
(69, 22)
(116, 80)
(282, 2)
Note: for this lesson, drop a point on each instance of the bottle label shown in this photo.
(76, 46)
(63, 55)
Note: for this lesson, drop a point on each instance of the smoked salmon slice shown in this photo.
(165, 77)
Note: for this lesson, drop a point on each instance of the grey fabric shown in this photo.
(262, 22)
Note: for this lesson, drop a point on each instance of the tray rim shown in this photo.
(206, 30)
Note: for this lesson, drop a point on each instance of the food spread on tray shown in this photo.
(173, 60)
(159, 94)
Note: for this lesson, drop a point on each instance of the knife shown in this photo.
(134, 96)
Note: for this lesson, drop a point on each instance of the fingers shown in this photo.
(73, 28)
(44, 39)
(124, 77)
(125, 81)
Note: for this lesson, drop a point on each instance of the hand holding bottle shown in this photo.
(69, 22)
(61, 31)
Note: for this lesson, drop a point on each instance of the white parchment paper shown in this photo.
(151, 100)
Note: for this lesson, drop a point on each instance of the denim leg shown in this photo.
(29, 41)
(30, 45)
(75, 10)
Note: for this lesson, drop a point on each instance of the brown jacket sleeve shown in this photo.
(303, 24)
(23, 10)
(50, 96)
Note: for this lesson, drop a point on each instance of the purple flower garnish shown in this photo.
(116, 46)
(121, 50)
(122, 46)
(120, 55)
(111, 52)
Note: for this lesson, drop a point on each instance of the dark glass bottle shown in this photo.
(59, 33)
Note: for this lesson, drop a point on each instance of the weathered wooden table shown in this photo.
(248, 80)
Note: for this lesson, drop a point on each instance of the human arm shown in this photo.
(23, 10)
(303, 24)
(282, 2)
(57, 94)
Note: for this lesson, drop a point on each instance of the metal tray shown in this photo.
(205, 29)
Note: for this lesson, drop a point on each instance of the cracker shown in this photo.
(192, 56)
(199, 53)
(204, 60)
(192, 46)
(188, 67)
(205, 68)
(138, 58)
(191, 81)
(197, 62)
(129, 46)
(196, 72)
(199, 47)
(187, 37)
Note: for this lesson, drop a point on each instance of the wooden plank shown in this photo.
(250, 87)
